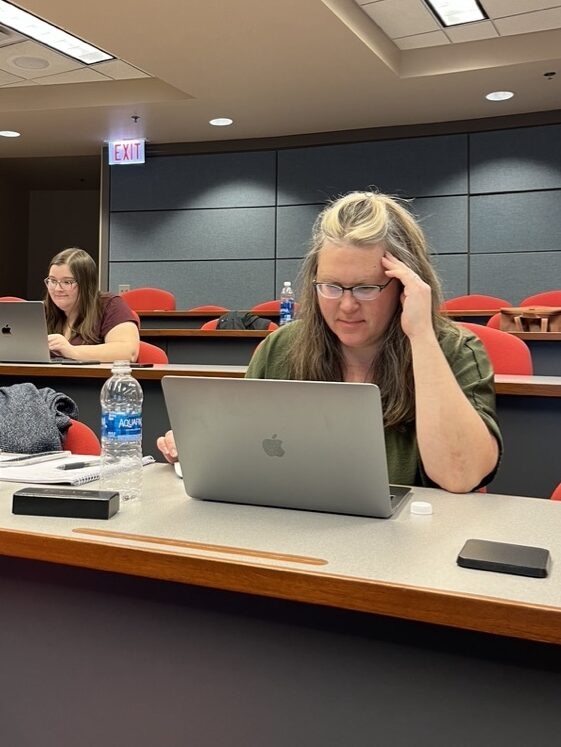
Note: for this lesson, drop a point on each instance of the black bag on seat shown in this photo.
(242, 320)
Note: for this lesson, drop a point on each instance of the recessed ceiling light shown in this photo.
(221, 121)
(499, 95)
(51, 36)
(9, 133)
(30, 63)
(454, 12)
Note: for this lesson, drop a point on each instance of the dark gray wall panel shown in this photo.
(217, 180)
(234, 284)
(235, 233)
(453, 272)
(412, 167)
(444, 221)
(294, 229)
(507, 160)
(528, 222)
(515, 276)
(288, 269)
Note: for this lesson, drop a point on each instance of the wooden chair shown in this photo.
(508, 354)
(80, 439)
(149, 299)
(148, 353)
(476, 301)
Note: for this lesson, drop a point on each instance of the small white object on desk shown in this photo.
(177, 468)
(421, 507)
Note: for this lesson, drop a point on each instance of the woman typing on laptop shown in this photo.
(83, 323)
(369, 312)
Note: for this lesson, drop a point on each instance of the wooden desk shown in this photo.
(477, 316)
(208, 347)
(187, 319)
(232, 625)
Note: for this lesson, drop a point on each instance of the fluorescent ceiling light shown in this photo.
(51, 36)
(499, 95)
(9, 133)
(221, 122)
(454, 12)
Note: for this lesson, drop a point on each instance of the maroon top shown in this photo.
(115, 311)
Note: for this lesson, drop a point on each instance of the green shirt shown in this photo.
(469, 363)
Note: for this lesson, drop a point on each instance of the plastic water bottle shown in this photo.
(286, 303)
(121, 433)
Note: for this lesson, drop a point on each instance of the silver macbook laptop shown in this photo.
(290, 444)
(23, 334)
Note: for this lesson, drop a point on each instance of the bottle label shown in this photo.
(124, 426)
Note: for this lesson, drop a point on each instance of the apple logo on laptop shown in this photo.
(6, 329)
(273, 446)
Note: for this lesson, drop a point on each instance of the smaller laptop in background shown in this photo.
(23, 334)
(309, 445)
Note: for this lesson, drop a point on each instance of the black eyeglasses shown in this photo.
(65, 284)
(334, 291)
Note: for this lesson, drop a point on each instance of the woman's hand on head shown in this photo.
(166, 444)
(416, 301)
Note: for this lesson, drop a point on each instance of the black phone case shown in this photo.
(503, 557)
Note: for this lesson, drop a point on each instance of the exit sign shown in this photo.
(126, 151)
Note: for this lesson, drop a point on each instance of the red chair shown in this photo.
(547, 298)
(80, 439)
(11, 298)
(149, 299)
(148, 353)
(210, 308)
(494, 321)
(211, 324)
(556, 495)
(508, 354)
(271, 307)
(474, 301)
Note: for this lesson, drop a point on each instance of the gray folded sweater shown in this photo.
(32, 419)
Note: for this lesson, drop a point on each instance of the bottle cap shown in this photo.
(421, 507)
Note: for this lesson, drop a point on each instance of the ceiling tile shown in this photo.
(398, 18)
(525, 23)
(502, 8)
(84, 75)
(119, 70)
(6, 78)
(55, 63)
(19, 83)
(418, 41)
(472, 32)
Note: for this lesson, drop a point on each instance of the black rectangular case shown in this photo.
(503, 557)
(68, 502)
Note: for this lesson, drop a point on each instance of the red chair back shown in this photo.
(475, 301)
(149, 299)
(11, 298)
(210, 308)
(148, 353)
(270, 306)
(547, 298)
(494, 321)
(80, 439)
(556, 495)
(508, 354)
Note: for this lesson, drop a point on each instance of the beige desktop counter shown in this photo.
(230, 624)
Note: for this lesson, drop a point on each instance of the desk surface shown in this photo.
(103, 370)
(403, 567)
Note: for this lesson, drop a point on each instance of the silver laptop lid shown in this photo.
(23, 332)
(290, 444)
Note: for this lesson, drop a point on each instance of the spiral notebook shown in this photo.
(53, 472)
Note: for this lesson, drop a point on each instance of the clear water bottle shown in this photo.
(286, 303)
(121, 433)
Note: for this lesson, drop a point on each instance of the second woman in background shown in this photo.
(82, 322)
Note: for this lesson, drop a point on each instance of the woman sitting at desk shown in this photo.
(369, 312)
(82, 322)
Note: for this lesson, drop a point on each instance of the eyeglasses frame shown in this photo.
(352, 289)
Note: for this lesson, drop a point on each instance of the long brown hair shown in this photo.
(364, 218)
(84, 271)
